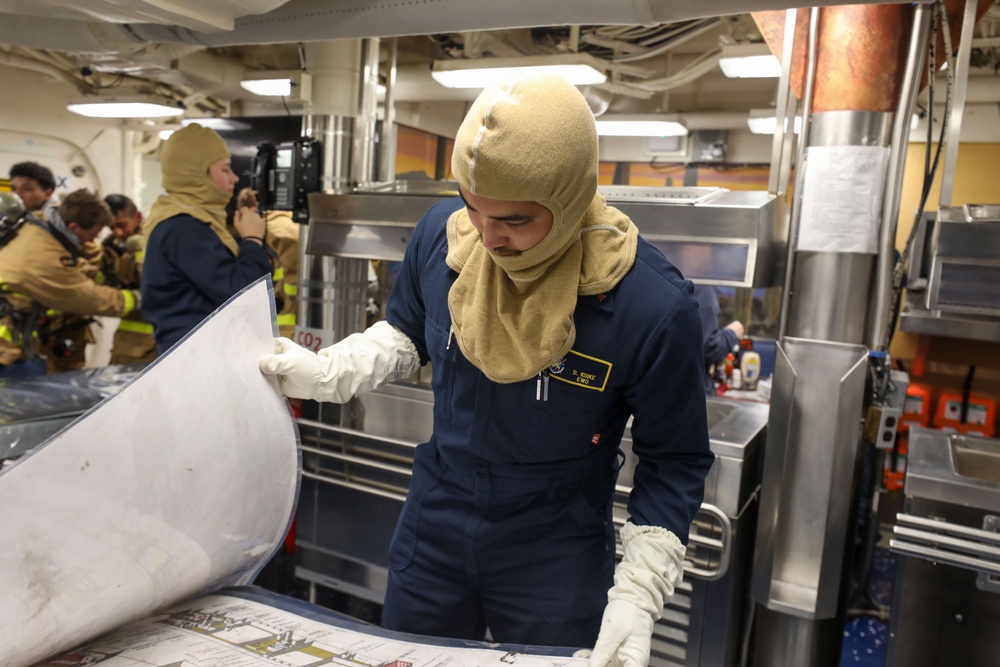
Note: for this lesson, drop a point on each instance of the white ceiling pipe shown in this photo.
(18, 62)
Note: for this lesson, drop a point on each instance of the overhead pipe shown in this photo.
(782, 140)
(793, 229)
(322, 20)
(387, 156)
(957, 105)
(880, 326)
(18, 62)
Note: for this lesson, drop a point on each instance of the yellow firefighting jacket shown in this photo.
(121, 266)
(283, 238)
(40, 277)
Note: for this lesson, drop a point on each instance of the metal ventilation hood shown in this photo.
(713, 235)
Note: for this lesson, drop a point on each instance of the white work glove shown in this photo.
(359, 363)
(644, 583)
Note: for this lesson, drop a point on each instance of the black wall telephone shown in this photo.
(285, 174)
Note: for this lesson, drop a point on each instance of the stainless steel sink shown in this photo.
(952, 468)
(976, 458)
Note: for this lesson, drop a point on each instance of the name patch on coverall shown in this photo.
(582, 370)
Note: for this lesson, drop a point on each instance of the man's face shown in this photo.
(85, 235)
(125, 225)
(30, 191)
(507, 228)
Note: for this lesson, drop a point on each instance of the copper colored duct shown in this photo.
(861, 51)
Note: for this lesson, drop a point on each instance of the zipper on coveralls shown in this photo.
(451, 330)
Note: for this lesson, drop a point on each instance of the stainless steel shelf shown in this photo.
(934, 323)
(742, 233)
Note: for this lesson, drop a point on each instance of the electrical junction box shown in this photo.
(882, 421)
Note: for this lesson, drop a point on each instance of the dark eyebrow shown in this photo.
(503, 218)
(514, 218)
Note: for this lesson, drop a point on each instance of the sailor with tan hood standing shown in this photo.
(548, 322)
(192, 264)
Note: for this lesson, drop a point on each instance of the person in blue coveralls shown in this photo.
(548, 322)
(192, 264)
(717, 343)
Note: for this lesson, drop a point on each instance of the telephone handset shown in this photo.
(286, 173)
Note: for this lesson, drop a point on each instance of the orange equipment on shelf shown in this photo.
(980, 417)
(917, 408)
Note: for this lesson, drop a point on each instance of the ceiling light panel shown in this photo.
(579, 69)
(125, 106)
(642, 125)
(749, 61)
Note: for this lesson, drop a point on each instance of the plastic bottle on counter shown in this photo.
(737, 381)
(750, 367)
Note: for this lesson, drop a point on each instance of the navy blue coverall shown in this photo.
(188, 273)
(716, 342)
(507, 523)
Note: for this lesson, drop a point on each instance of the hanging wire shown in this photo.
(88, 75)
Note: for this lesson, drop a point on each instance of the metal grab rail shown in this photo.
(947, 543)
(354, 433)
(722, 544)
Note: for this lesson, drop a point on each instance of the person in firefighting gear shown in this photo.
(282, 245)
(191, 263)
(34, 184)
(121, 263)
(48, 298)
(548, 323)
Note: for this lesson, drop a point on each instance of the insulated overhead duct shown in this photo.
(191, 14)
(869, 75)
(321, 20)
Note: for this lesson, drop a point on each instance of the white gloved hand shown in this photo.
(361, 362)
(644, 583)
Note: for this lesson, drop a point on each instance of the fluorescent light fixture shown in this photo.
(126, 106)
(227, 124)
(280, 87)
(294, 84)
(579, 69)
(765, 121)
(640, 125)
(749, 61)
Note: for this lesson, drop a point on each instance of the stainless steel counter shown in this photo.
(946, 606)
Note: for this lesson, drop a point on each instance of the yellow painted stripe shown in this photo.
(286, 320)
(136, 327)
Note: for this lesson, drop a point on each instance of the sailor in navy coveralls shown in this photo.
(548, 323)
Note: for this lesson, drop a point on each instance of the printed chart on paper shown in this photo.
(223, 631)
